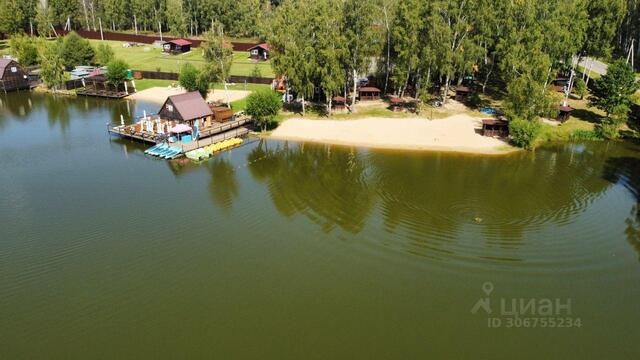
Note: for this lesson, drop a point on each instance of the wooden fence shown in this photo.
(145, 39)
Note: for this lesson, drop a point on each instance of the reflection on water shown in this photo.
(329, 187)
(439, 205)
(625, 171)
(223, 187)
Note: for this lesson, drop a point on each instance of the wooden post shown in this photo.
(160, 29)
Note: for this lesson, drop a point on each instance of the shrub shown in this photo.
(104, 54)
(581, 88)
(588, 135)
(263, 106)
(189, 77)
(117, 72)
(524, 132)
(76, 50)
(24, 49)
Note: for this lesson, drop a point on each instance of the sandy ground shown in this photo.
(456, 133)
(160, 94)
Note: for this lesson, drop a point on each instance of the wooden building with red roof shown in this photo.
(177, 46)
(259, 52)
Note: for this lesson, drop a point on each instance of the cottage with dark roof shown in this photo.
(12, 76)
(187, 108)
(260, 52)
(177, 46)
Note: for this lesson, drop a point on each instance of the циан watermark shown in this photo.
(525, 312)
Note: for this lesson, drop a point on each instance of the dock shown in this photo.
(209, 136)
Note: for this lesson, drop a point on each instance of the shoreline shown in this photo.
(158, 94)
(455, 134)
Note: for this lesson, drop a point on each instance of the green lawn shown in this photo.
(152, 59)
(149, 83)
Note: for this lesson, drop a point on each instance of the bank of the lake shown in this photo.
(279, 249)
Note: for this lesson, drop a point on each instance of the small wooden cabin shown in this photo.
(369, 93)
(339, 103)
(565, 113)
(221, 114)
(259, 52)
(494, 127)
(187, 108)
(12, 76)
(178, 46)
(462, 93)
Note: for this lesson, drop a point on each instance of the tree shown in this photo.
(43, 19)
(581, 88)
(76, 50)
(263, 106)
(218, 56)
(176, 17)
(191, 79)
(361, 40)
(117, 72)
(615, 88)
(613, 93)
(52, 65)
(24, 49)
(293, 53)
(104, 54)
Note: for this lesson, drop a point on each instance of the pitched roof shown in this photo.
(3, 64)
(369, 89)
(181, 42)
(190, 105)
(263, 46)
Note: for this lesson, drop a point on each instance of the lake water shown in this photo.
(280, 250)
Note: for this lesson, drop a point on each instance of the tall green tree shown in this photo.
(76, 50)
(612, 92)
(218, 56)
(361, 41)
(52, 65)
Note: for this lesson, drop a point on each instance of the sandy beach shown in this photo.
(160, 94)
(456, 134)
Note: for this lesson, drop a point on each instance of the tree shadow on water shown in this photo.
(625, 171)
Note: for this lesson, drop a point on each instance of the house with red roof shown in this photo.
(177, 46)
(259, 52)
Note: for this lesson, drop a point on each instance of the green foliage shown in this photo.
(189, 77)
(255, 72)
(52, 65)
(613, 92)
(218, 56)
(586, 135)
(76, 50)
(104, 54)
(263, 106)
(117, 72)
(581, 88)
(528, 99)
(524, 132)
(25, 49)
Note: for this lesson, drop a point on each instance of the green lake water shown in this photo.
(279, 250)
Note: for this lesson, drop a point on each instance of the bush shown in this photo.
(24, 49)
(588, 135)
(104, 54)
(581, 88)
(263, 106)
(76, 50)
(608, 129)
(524, 132)
(192, 79)
(117, 72)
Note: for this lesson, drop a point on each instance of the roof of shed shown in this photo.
(190, 105)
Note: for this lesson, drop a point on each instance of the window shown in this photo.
(170, 107)
(14, 69)
(254, 52)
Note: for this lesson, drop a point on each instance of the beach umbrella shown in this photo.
(145, 113)
(121, 120)
(180, 128)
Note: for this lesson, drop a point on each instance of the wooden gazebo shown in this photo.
(565, 113)
(339, 103)
(369, 93)
(495, 128)
(462, 92)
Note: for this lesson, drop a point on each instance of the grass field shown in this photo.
(152, 59)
